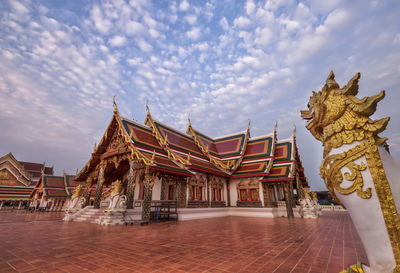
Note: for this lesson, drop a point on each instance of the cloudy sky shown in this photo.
(224, 62)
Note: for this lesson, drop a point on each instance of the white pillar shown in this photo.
(20, 204)
(261, 193)
(187, 193)
(1, 204)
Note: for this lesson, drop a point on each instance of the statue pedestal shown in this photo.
(308, 213)
(112, 217)
(69, 214)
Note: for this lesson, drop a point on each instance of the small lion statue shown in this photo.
(117, 200)
(307, 207)
(357, 168)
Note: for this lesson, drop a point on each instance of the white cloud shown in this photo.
(191, 19)
(117, 41)
(194, 33)
(102, 25)
(145, 46)
(18, 7)
(242, 22)
(134, 28)
(250, 6)
(184, 6)
(224, 23)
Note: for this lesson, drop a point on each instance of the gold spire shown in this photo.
(115, 105)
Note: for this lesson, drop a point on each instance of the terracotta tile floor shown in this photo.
(40, 242)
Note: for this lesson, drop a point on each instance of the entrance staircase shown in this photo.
(90, 216)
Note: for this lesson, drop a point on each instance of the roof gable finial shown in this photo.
(248, 125)
(276, 126)
(190, 124)
(294, 130)
(115, 105)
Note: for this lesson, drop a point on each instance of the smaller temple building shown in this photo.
(18, 179)
(51, 193)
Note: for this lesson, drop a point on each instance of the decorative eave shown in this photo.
(239, 160)
(176, 158)
(204, 149)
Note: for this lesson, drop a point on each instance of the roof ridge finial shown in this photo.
(147, 107)
(190, 124)
(115, 105)
(275, 126)
(248, 125)
(294, 130)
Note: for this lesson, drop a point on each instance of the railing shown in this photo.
(164, 210)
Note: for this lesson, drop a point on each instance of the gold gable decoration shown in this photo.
(8, 179)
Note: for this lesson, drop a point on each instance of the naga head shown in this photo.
(77, 191)
(116, 187)
(335, 116)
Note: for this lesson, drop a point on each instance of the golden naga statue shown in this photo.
(357, 169)
(77, 192)
(116, 188)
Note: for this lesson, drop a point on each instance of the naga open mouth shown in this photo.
(307, 115)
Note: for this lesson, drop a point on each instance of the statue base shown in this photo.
(308, 213)
(112, 217)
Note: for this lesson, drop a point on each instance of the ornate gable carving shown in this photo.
(8, 179)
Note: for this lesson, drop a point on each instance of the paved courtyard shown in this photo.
(40, 242)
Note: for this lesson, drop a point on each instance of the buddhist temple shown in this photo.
(18, 179)
(155, 162)
(52, 192)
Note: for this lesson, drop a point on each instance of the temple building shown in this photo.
(154, 161)
(18, 179)
(52, 192)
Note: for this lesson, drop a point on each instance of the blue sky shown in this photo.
(224, 62)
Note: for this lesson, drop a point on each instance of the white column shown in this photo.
(20, 204)
(187, 193)
(261, 193)
(1, 204)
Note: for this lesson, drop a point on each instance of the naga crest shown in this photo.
(77, 192)
(336, 116)
(116, 187)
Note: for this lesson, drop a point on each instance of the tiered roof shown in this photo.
(234, 156)
(56, 186)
